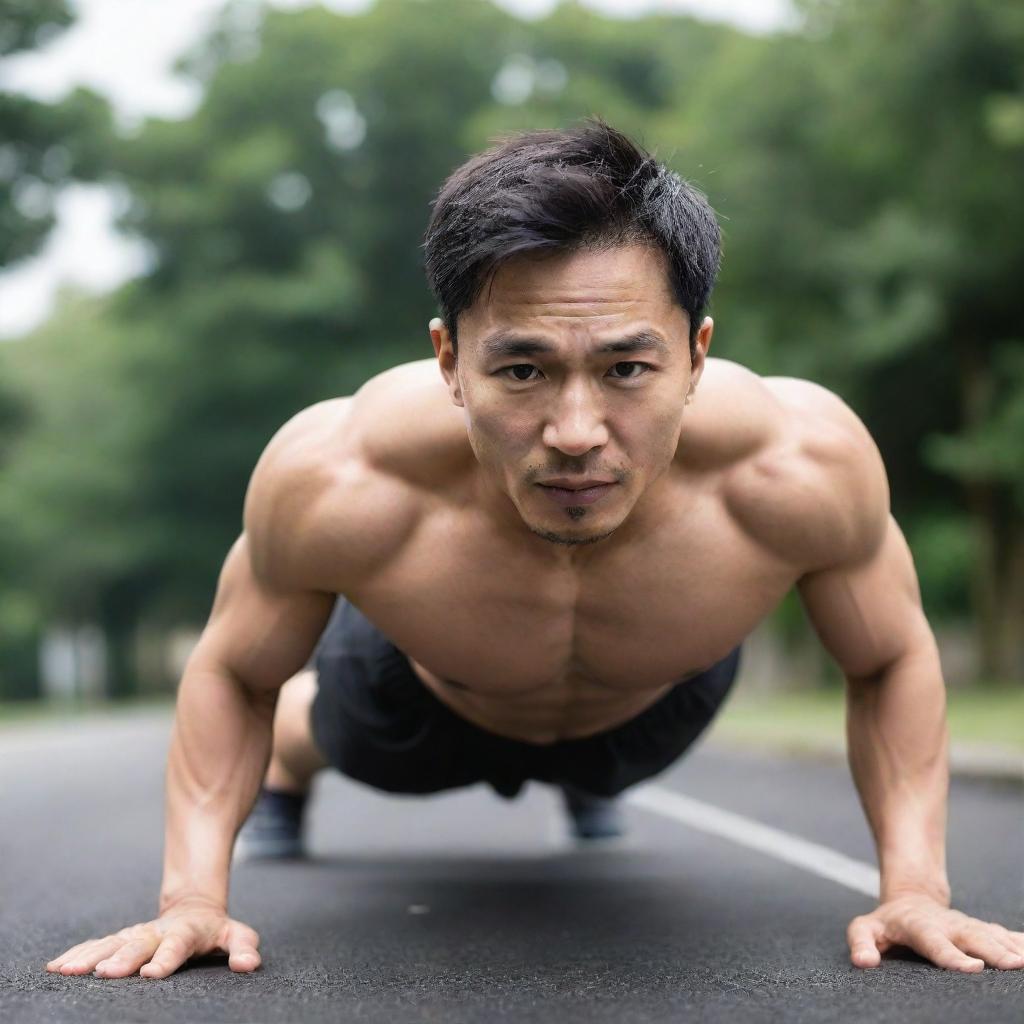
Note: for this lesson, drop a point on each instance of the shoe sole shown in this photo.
(244, 853)
(602, 844)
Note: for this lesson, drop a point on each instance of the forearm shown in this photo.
(898, 749)
(220, 747)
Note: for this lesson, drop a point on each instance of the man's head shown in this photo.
(571, 270)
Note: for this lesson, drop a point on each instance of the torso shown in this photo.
(525, 647)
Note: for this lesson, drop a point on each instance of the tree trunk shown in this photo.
(1009, 611)
(982, 502)
(118, 621)
(982, 581)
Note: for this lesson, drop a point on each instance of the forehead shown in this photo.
(581, 292)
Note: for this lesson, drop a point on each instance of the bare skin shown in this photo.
(419, 498)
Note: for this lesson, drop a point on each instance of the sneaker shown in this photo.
(273, 830)
(592, 817)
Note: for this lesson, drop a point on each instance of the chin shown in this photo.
(574, 541)
(582, 535)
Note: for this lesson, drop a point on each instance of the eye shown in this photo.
(518, 366)
(644, 369)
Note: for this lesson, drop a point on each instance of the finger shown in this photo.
(982, 943)
(103, 946)
(243, 952)
(128, 959)
(864, 950)
(55, 963)
(941, 951)
(1015, 940)
(81, 959)
(68, 953)
(172, 952)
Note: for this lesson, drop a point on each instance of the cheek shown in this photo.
(498, 437)
(654, 440)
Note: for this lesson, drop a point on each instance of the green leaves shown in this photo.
(868, 190)
(991, 449)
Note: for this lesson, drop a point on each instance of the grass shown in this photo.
(980, 715)
(805, 718)
(26, 712)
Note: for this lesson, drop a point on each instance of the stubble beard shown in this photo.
(574, 512)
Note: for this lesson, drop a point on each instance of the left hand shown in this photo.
(947, 937)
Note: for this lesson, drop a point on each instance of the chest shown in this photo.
(482, 614)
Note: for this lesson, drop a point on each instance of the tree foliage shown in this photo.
(43, 147)
(872, 220)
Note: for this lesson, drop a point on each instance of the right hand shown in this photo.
(159, 947)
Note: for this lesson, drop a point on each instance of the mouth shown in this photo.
(574, 483)
(586, 495)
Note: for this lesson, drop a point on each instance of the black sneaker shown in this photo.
(274, 828)
(592, 817)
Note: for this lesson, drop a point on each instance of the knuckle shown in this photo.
(130, 949)
(936, 944)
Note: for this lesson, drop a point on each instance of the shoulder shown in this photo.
(411, 431)
(817, 492)
(317, 512)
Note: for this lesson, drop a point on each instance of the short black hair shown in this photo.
(588, 186)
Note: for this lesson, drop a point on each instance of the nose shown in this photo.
(576, 424)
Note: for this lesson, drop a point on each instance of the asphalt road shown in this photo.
(465, 907)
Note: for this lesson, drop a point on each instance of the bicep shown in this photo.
(260, 634)
(868, 612)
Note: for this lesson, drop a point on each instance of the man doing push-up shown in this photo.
(537, 555)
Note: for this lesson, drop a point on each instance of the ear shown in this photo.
(442, 341)
(703, 343)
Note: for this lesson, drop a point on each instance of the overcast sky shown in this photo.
(124, 49)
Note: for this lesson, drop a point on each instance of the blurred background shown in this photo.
(211, 217)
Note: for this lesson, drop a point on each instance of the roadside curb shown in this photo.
(983, 761)
(966, 760)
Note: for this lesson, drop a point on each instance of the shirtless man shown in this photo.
(497, 626)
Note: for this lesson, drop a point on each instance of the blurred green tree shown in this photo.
(931, 136)
(287, 216)
(874, 238)
(43, 147)
(73, 493)
(851, 176)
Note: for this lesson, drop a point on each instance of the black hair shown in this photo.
(587, 186)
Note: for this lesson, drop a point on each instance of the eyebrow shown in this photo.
(508, 343)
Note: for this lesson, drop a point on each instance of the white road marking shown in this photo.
(817, 859)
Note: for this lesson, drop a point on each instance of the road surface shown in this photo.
(465, 907)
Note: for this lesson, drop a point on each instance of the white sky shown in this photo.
(124, 50)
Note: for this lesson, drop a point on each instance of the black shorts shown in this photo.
(375, 721)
